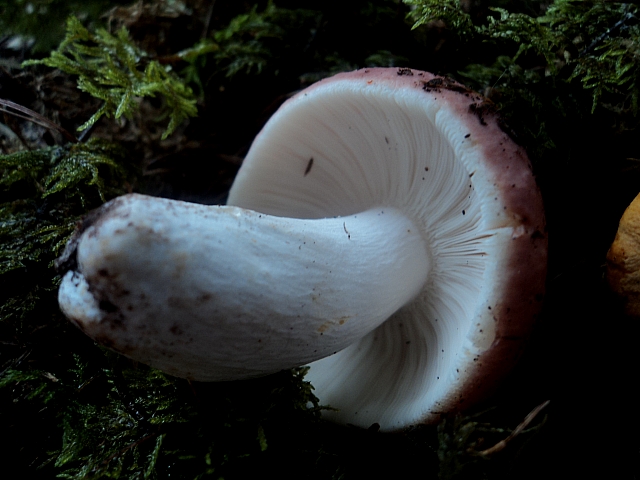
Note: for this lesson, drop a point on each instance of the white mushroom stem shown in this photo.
(220, 293)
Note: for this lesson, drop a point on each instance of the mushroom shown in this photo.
(623, 260)
(382, 229)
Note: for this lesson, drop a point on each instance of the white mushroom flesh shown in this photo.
(221, 293)
(400, 148)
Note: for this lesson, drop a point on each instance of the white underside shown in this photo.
(418, 160)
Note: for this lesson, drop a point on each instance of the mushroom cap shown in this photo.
(435, 150)
(623, 259)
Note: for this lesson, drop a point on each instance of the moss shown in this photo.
(113, 69)
(44, 191)
(246, 42)
(42, 194)
(548, 62)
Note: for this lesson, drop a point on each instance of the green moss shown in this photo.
(45, 190)
(547, 63)
(258, 41)
(246, 42)
(113, 69)
(121, 421)
(42, 194)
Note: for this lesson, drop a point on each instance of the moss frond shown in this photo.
(246, 42)
(122, 421)
(594, 42)
(449, 11)
(80, 165)
(41, 196)
(113, 69)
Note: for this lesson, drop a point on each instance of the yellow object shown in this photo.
(623, 259)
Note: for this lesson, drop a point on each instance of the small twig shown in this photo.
(620, 25)
(84, 384)
(50, 376)
(207, 20)
(25, 113)
(517, 431)
(86, 133)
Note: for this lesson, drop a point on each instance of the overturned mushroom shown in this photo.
(384, 228)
